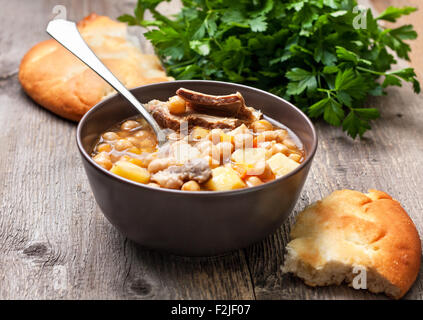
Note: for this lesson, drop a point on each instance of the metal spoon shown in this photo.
(67, 34)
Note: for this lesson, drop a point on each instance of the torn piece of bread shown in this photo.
(58, 81)
(349, 229)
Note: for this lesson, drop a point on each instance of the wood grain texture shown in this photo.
(55, 241)
(388, 159)
(56, 244)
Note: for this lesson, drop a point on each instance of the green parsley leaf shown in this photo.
(130, 20)
(201, 47)
(333, 113)
(307, 51)
(392, 14)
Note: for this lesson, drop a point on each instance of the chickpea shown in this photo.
(176, 105)
(142, 122)
(266, 144)
(125, 158)
(172, 183)
(212, 162)
(222, 151)
(122, 144)
(204, 145)
(114, 157)
(134, 150)
(153, 184)
(295, 156)
(135, 141)
(253, 181)
(227, 138)
(124, 134)
(290, 144)
(142, 134)
(104, 147)
(191, 186)
(259, 168)
(110, 136)
(129, 125)
(266, 136)
(261, 126)
(147, 143)
(146, 159)
(215, 134)
(243, 140)
(103, 159)
(226, 147)
(159, 164)
(281, 134)
(280, 148)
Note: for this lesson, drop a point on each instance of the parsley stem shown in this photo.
(208, 5)
(325, 90)
(182, 64)
(260, 42)
(166, 20)
(217, 43)
(370, 71)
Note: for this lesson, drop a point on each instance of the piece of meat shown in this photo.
(234, 100)
(207, 111)
(169, 178)
(173, 177)
(212, 122)
(232, 105)
(165, 119)
(197, 169)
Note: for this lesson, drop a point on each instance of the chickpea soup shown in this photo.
(211, 145)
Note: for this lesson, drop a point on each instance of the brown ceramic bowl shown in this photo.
(194, 223)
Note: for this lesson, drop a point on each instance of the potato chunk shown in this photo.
(183, 152)
(131, 171)
(249, 155)
(280, 164)
(224, 179)
(252, 159)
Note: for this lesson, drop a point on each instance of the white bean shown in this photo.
(159, 164)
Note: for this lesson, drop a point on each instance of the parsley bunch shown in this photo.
(308, 52)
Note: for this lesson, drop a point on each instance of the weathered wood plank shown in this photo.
(57, 244)
(55, 241)
(389, 158)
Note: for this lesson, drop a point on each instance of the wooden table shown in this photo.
(55, 242)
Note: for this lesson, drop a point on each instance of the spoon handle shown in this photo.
(67, 34)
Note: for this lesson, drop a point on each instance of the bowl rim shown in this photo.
(308, 159)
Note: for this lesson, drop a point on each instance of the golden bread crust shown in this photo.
(58, 81)
(370, 230)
